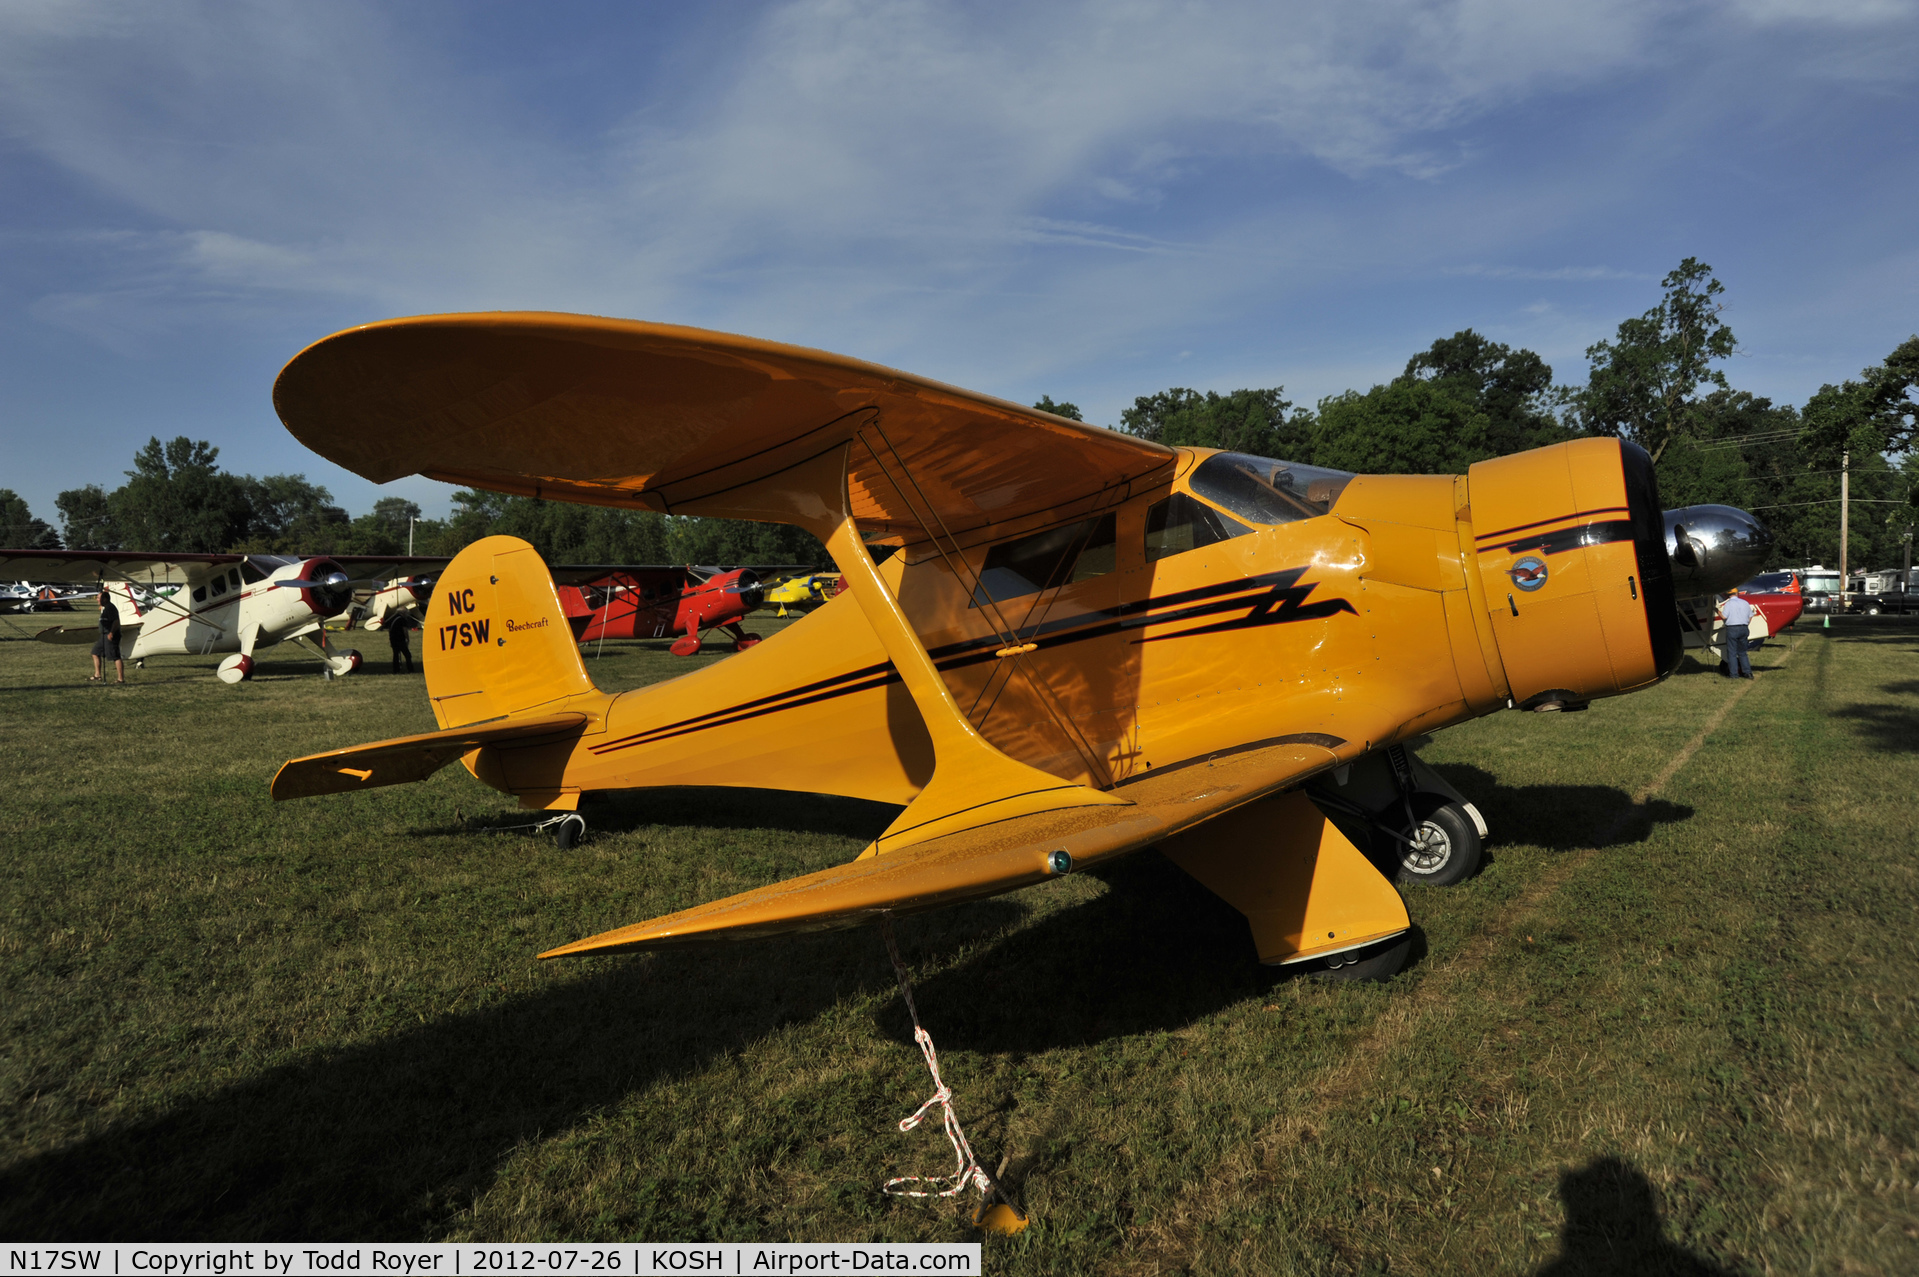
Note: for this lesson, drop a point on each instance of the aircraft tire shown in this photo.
(1375, 964)
(570, 832)
(1450, 846)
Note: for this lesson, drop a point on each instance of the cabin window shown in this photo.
(1076, 552)
(1179, 524)
(233, 578)
(1260, 490)
(219, 586)
(200, 594)
(250, 574)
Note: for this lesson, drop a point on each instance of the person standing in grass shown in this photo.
(108, 648)
(397, 639)
(1737, 614)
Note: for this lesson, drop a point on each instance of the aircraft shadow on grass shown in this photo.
(1560, 817)
(1891, 729)
(394, 1138)
(1613, 1228)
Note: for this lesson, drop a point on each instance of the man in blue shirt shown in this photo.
(1737, 613)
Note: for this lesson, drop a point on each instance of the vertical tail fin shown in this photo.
(495, 640)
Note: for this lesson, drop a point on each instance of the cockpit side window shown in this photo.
(1076, 552)
(1179, 524)
(251, 574)
(1261, 490)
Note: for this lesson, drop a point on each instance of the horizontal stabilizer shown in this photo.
(407, 758)
(987, 859)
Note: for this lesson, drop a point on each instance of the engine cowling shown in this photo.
(333, 592)
(1572, 558)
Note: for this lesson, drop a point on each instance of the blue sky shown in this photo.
(1092, 201)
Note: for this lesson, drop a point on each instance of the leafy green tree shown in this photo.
(1644, 384)
(19, 530)
(568, 533)
(1463, 399)
(1257, 421)
(1895, 395)
(384, 530)
(177, 499)
(738, 541)
(290, 515)
(1067, 410)
(86, 515)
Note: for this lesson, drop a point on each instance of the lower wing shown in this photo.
(988, 859)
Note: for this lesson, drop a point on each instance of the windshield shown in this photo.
(1261, 490)
(1767, 583)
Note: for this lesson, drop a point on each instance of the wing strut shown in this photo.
(973, 783)
(989, 605)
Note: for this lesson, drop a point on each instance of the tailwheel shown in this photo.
(1443, 848)
(572, 828)
(1376, 962)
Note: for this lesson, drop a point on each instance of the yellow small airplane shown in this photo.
(1085, 644)
(808, 590)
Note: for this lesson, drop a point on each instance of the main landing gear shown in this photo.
(1421, 829)
(568, 829)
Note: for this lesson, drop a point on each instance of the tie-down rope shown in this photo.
(967, 1170)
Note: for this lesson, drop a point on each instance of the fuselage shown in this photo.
(1244, 602)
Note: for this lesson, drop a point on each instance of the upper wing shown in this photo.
(95, 565)
(987, 859)
(618, 412)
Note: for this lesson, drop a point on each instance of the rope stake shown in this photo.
(967, 1170)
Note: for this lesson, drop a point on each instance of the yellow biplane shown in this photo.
(1082, 643)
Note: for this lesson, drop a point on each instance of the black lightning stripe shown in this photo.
(1568, 538)
(1273, 598)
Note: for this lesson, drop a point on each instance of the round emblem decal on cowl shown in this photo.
(1529, 573)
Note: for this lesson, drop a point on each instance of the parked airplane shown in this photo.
(807, 590)
(234, 603)
(654, 601)
(1087, 643)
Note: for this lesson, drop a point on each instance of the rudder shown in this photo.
(496, 640)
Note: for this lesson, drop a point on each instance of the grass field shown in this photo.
(1672, 1023)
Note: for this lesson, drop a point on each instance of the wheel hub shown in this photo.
(1430, 849)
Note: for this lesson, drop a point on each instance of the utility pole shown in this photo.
(409, 544)
(1845, 510)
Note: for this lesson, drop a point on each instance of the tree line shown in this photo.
(177, 500)
(1657, 382)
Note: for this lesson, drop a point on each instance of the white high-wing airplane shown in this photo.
(234, 603)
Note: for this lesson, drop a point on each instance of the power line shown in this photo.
(1831, 501)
